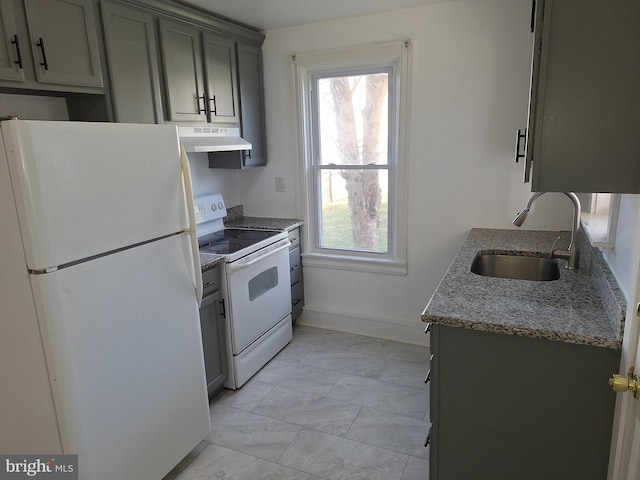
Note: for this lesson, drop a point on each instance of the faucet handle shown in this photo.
(554, 244)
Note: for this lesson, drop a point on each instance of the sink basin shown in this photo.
(519, 267)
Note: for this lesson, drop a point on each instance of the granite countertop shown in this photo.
(209, 260)
(585, 306)
(263, 223)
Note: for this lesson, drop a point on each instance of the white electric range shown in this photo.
(255, 288)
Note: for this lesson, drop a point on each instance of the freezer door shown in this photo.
(83, 189)
(123, 346)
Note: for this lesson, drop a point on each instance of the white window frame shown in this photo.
(304, 68)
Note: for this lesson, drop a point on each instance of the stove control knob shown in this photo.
(214, 207)
(220, 205)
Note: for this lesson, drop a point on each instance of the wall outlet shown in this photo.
(280, 187)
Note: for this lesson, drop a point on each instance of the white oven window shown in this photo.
(262, 283)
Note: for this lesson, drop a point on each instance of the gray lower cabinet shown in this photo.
(506, 407)
(132, 57)
(295, 264)
(51, 42)
(213, 332)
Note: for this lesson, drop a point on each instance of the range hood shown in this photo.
(212, 139)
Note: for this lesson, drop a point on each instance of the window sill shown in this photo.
(355, 264)
(600, 226)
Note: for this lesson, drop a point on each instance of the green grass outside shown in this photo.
(337, 226)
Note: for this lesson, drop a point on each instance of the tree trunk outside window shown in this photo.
(363, 186)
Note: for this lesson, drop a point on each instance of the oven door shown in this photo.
(258, 293)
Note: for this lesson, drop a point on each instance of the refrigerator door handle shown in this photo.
(191, 230)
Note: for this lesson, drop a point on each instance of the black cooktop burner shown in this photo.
(231, 240)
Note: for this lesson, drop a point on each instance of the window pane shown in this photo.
(354, 209)
(353, 119)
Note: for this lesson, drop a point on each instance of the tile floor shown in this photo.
(331, 406)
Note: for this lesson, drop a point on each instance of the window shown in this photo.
(351, 113)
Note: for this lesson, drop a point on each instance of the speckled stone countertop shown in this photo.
(585, 306)
(209, 260)
(264, 223)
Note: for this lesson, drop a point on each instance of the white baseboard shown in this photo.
(395, 329)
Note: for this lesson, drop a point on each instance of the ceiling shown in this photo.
(270, 14)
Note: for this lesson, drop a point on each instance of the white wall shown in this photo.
(471, 62)
(33, 107)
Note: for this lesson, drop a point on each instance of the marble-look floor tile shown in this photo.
(411, 353)
(385, 396)
(394, 432)
(416, 469)
(247, 432)
(313, 411)
(304, 378)
(294, 352)
(176, 472)
(325, 338)
(390, 349)
(337, 458)
(217, 462)
(405, 373)
(246, 397)
(346, 361)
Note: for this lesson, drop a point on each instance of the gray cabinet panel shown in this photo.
(212, 324)
(221, 79)
(10, 54)
(64, 42)
(583, 124)
(505, 406)
(133, 64)
(251, 78)
(182, 60)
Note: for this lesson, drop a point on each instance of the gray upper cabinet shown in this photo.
(200, 75)
(10, 53)
(221, 79)
(64, 42)
(583, 125)
(49, 45)
(133, 64)
(182, 60)
(251, 77)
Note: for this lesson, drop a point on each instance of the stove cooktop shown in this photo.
(231, 240)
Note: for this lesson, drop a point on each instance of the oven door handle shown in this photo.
(240, 264)
(191, 230)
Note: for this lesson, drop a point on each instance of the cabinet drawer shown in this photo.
(297, 298)
(211, 280)
(294, 258)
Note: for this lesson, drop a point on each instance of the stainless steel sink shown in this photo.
(519, 267)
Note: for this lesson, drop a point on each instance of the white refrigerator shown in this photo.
(100, 343)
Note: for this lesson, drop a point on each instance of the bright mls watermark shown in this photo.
(49, 467)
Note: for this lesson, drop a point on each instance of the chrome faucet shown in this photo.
(571, 253)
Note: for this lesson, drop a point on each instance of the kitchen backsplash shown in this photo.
(234, 213)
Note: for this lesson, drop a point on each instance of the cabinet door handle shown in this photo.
(428, 377)
(519, 136)
(428, 329)
(428, 439)
(213, 110)
(204, 104)
(40, 44)
(533, 15)
(16, 42)
(223, 312)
